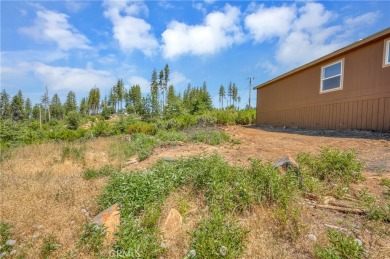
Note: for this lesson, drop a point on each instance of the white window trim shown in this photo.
(386, 51)
(341, 76)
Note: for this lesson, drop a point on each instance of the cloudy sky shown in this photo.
(75, 45)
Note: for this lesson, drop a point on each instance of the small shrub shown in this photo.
(102, 172)
(102, 128)
(207, 136)
(92, 237)
(332, 166)
(340, 246)
(215, 234)
(73, 120)
(49, 246)
(141, 127)
(246, 117)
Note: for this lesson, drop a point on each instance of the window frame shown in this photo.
(386, 52)
(341, 76)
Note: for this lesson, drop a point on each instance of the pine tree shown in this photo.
(57, 111)
(5, 106)
(234, 93)
(161, 86)
(230, 92)
(120, 90)
(94, 100)
(27, 108)
(155, 106)
(222, 95)
(70, 103)
(17, 107)
(84, 107)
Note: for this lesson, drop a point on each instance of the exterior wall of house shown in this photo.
(362, 103)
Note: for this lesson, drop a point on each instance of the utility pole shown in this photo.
(250, 89)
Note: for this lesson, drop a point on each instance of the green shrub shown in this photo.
(216, 238)
(102, 128)
(246, 117)
(340, 246)
(74, 153)
(92, 237)
(332, 165)
(141, 127)
(171, 135)
(208, 136)
(49, 246)
(225, 117)
(73, 120)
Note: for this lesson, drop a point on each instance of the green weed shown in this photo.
(49, 246)
(141, 145)
(340, 246)
(335, 168)
(92, 238)
(74, 153)
(98, 173)
(208, 136)
(5, 234)
(218, 237)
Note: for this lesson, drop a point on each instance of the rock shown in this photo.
(84, 211)
(128, 138)
(173, 222)
(192, 253)
(35, 234)
(312, 237)
(286, 163)
(169, 159)
(132, 160)
(10, 242)
(223, 251)
(109, 218)
(164, 245)
(358, 241)
(12, 252)
(3, 254)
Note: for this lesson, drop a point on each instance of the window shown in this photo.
(332, 77)
(387, 53)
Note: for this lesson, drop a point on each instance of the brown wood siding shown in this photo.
(363, 103)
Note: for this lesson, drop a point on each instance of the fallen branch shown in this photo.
(341, 209)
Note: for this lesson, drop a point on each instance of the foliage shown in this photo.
(208, 136)
(49, 246)
(98, 173)
(92, 237)
(333, 167)
(73, 120)
(72, 152)
(340, 246)
(5, 233)
(141, 127)
(217, 234)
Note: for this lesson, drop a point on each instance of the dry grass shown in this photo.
(42, 195)
(192, 208)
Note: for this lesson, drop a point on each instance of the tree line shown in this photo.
(161, 101)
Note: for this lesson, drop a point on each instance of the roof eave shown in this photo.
(329, 56)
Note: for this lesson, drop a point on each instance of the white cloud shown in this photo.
(367, 18)
(267, 23)
(220, 30)
(131, 32)
(75, 5)
(54, 27)
(178, 80)
(68, 78)
(141, 81)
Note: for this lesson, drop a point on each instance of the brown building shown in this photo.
(347, 89)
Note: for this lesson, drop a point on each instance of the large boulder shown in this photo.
(109, 218)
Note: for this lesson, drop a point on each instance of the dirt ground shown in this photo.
(42, 195)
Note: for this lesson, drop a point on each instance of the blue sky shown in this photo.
(75, 45)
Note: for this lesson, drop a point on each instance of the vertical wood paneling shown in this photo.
(359, 115)
(386, 120)
(369, 114)
(354, 114)
(375, 110)
(381, 112)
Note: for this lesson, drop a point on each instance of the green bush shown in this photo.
(49, 245)
(208, 136)
(340, 246)
(73, 120)
(246, 117)
(102, 128)
(332, 165)
(217, 238)
(92, 237)
(141, 127)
